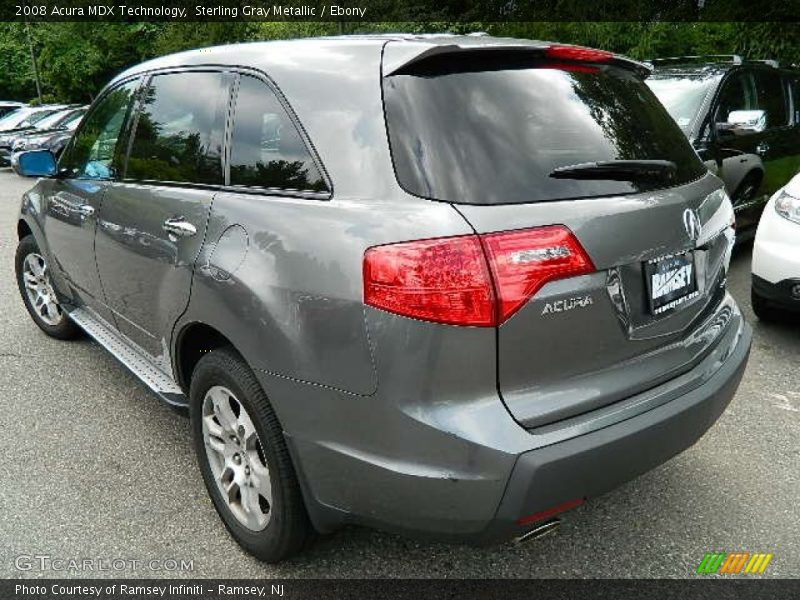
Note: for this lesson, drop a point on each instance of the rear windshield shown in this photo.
(491, 130)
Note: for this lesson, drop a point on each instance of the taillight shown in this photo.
(470, 280)
(444, 280)
(523, 261)
(578, 53)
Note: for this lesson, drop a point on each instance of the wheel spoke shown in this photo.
(259, 475)
(52, 311)
(249, 499)
(216, 444)
(222, 409)
(30, 280)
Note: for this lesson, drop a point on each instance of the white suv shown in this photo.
(776, 254)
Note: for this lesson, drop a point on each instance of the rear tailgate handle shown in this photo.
(179, 227)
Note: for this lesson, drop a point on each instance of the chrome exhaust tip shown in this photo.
(539, 531)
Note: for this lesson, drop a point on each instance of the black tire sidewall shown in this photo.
(223, 367)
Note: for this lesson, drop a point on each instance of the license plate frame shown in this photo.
(676, 284)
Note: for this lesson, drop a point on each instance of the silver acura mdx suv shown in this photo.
(440, 284)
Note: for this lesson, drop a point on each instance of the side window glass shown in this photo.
(737, 107)
(96, 151)
(180, 130)
(771, 100)
(266, 148)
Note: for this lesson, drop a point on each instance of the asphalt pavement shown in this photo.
(95, 469)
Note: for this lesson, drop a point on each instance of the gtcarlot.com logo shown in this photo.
(47, 562)
(734, 563)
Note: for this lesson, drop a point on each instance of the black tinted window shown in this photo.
(769, 89)
(491, 131)
(180, 130)
(266, 149)
(96, 152)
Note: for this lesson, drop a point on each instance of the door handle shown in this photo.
(762, 148)
(179, 227)
(85, 210)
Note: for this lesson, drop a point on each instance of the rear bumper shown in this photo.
(461, 468)
(592, 464)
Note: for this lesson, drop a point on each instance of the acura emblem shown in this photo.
(691, 223)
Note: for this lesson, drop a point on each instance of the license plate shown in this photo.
(671, 282)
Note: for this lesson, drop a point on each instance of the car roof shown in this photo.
(332, 85)
(328, 50)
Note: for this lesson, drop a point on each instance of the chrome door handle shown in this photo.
(762, 148)
(179, 227)
(85, 210)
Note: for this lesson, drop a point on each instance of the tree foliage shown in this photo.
(77, 59)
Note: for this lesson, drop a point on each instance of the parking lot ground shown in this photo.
(93, 466)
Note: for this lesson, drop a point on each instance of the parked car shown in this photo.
(26, 117)
(455, 292)
(54, 137)
(9, 106)
(52, 132)
(743, 117)
(776, 255)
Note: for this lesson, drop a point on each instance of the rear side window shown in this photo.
(492, 130)
(266, 148)
(180, 130)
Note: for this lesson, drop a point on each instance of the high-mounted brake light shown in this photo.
(577, 53)
(478, 280)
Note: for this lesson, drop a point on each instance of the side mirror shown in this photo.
(34, 163)
(751, 120)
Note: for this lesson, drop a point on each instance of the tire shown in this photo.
(762, 308)
(38, 293)
(220, 376)
(747, 189)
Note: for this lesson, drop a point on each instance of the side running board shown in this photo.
(138, 363)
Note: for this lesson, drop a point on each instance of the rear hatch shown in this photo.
(520, 140)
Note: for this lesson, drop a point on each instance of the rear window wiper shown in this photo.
(619, 170)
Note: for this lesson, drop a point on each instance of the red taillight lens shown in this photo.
(444, 280)
(523, 261)
(448, 280)
(578, 53)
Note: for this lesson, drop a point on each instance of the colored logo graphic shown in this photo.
(734, 563)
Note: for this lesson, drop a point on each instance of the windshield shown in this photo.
(681, 96)
(52, 120)
(491, 131)
(74, 120)
(11, 120)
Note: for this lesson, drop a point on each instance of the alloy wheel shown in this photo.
(236, 457)
(39, 288)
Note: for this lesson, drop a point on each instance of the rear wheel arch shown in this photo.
(194, 341)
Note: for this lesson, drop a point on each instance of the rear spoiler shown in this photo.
(407, 55)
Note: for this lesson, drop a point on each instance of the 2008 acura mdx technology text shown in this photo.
(446, 284)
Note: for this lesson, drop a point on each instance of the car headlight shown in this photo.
(788, 206)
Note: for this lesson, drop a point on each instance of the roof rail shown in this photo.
(766, 61)
(731, 58)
